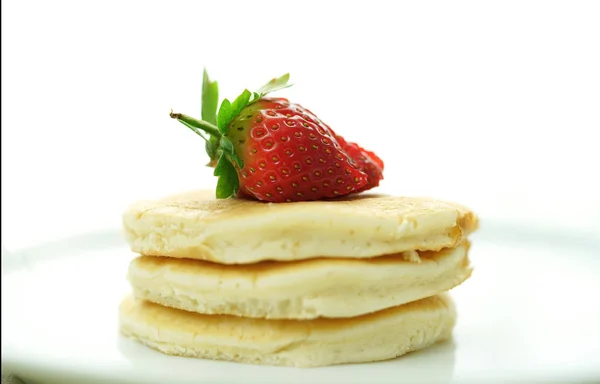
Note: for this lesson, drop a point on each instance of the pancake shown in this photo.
(238, 231)
(298, 289)
(302, 343)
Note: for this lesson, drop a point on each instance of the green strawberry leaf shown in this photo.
(224, 116)
(212, 148)
(275, 84)
(210, 99)
(240, 103)
(228, 183)
(230, 111)
(227, 147)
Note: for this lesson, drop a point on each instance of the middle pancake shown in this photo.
(299, 289)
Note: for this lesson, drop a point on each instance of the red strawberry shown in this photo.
(276, 151)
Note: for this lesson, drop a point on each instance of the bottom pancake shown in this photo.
(301, 343)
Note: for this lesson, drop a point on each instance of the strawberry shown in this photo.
(273, 150)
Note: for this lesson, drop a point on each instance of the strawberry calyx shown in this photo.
(213, 129)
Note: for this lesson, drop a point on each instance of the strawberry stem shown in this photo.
(201, 124)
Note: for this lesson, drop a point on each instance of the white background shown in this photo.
(493, 104)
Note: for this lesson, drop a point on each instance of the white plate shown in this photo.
(529, 313)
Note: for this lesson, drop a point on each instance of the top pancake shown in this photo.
(237, 231)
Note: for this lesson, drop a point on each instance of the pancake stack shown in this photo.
(306, 284)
